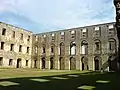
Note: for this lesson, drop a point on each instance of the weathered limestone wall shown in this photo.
(15, 54)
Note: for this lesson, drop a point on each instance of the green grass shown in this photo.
(35, 79)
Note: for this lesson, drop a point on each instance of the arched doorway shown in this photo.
(112, 63)
(18, 63)
(35, 63)
(97, 63)
(84, 61)
(62, 63)
(51, 63)
(72, 63)
(43, 63)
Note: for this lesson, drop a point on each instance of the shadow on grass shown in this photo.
(66, 82)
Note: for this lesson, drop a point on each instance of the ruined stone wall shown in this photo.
(74, 61)
(15, 54)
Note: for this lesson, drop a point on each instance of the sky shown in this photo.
(51, 15)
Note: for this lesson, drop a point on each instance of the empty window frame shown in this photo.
(28, 49)
(21, 36)
(11, 47)
(3, 31)
(1, 61)
(26, 62)
(28, 38)
(2, 45)
(10, 62)
(20, 48)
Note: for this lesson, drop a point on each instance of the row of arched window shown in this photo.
(84, 47)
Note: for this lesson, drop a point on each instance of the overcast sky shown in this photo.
(51, 15)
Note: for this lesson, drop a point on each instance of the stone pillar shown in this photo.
(91, 62)
(80, 64)
(40, 64)
(67, 63)
(57, 63)
(47, 66)
(77, 62)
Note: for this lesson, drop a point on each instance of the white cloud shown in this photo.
(62, 13)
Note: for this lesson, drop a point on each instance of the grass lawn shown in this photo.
(35, 79)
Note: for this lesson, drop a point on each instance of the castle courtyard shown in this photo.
(34, 79)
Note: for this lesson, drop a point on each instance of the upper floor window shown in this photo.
(3, 31)
(97, 31)
(72, 48)
(20, 48)
(11, 47)
(97, 45)
(111, 30)
(84, 32)
(62, 49)
(13, 34)
(21, 36)
(84, 47)
(2, 45)
(28, 38)
(62, 35)
(73, 34)
(44, 37)
(53, 36)
(112, 44)
(28, 49)
(44, 48)
(36, 38)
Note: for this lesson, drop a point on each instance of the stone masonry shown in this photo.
(83, 48)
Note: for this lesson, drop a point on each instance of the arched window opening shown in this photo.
(97, 63)
(72, 48)
(84, 61)
(62, 49)
(97, 45)
(84, 47)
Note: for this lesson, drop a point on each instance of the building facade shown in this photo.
(15, 47)
(84, 48)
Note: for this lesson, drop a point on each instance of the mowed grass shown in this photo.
(35, 79)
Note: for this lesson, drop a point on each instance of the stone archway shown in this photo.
(84, 61)
(97, 63)
(112, 63)
(35, 63)
(72, 48)
(51, 63)
(62, 63)
(43, 63)
(72, 63)
(84, 47)
(19, 63)
(62, 49)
